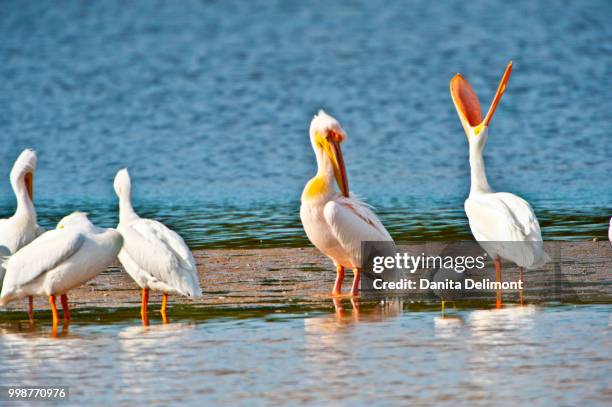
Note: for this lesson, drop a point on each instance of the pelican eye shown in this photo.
(335, 136)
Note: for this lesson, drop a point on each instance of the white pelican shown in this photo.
(336, 222)
(498, 217)
(21, 228)
(154, 256)
(59, 260)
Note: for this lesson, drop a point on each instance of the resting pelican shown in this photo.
(59, 260)
(153, 255)
(21, 228)
(495, 216)
(336, 222)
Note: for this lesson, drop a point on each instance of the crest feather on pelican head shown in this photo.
(322, 123)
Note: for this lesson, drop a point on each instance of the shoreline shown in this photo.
(275, 277)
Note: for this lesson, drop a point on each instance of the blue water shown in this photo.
(379, 355)
(208, 103)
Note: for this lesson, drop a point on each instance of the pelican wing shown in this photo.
(353, 222)
(162, 253)
(502, 217)
(42, 255)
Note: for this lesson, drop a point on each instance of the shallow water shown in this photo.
(319, 354)
(209, 103)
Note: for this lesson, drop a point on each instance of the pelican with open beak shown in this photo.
(335, 221)
(21, 228)
(504, 224)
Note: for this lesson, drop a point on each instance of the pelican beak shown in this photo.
(339, 168)
(28, 179)
(331, 146)
(467, 104)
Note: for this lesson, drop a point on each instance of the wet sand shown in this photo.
(298, 276)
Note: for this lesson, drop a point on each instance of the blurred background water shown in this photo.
(208, 104)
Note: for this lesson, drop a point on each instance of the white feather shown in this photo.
(352, 222)
(21, 228)
(158, 258)
(506, 226)
(335, 224)
(153, 255)
(60, 259)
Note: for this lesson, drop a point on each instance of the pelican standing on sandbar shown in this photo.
(336, 222)
(498, 217)
(59, 260)
(21, 228)
(154, 256)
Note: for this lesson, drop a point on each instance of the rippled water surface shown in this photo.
(208, 103)
(356, 353)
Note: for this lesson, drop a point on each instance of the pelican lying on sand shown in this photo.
(336, 222)
(59, 260)
(21, 228)
(153, 255)
(497, 217)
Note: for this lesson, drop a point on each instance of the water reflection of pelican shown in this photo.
(447, 326)
(328, 329)
(147, 351)
(497, 336)
(30, 329)
(30, 357)
(498, 322)
(329, 340)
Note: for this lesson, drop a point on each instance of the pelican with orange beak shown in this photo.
(504, 224)
(335, 221)
(21, 228)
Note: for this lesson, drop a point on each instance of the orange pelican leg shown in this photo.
(31, 308)
(163, 307)
(498, 278)
(65, 309)
(143, 306)
(356, 279)
(53, 309)
(339, 277)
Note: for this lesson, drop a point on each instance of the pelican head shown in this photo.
(75, 220)
(468, 107)
(22, 174)
(122, 184)
(326, 135)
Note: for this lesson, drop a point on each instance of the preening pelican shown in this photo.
(336, 222)
(497, 217)
(59, 260)
(153, 255)
(21, 228)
